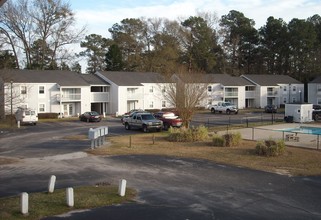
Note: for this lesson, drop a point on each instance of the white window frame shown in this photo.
(163, 104)
(151, 104)
(39, 90)
(23, 90)
(42, 107)
(151, 89)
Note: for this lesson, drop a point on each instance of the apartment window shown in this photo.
(23, 89)
(163, 89)
(209, 88)
(151, 104)
(151, 89)
(163, 104)
(41, 107)
(284, 88)
(293, 100)
(284, 100)
(293, 88)
(41, 90)
(319, 88)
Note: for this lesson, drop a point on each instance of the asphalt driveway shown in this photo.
(172, 188)
(168, 187)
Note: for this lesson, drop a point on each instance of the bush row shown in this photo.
(263, 148)
(188, 134)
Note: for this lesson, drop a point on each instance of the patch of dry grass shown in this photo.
(295, 161)
(7, 160)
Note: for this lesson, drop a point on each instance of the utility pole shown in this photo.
(11, 116)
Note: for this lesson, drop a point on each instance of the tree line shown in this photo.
(202, 43)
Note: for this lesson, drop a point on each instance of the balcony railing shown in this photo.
(272, 93)
(134, 96)
(68, 97)
(231, 94)
(100, 97)
(250, 94)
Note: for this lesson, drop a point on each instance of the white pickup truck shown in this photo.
(225, 107)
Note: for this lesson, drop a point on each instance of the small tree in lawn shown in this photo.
(185, 91)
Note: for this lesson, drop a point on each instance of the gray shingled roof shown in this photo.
(132, 78)
(316, 80)
(62, 77)
(271, 80)
(224, 79)
(93, 79)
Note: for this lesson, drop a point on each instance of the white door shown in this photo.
(69, 110)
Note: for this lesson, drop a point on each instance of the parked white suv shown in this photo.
(225, 107)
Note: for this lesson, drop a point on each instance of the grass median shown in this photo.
(294, 162)
(45, 204)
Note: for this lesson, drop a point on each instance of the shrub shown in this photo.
(48, 115)
(232, 139)
(218, 141)
(188, 134)
(270, 148)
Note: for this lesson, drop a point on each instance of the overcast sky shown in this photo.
(99, 15)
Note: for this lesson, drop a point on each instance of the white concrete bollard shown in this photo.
(18, 124)
(104, 114)
(122, 187)
(51, 185)
(24, 202)
(70, 196)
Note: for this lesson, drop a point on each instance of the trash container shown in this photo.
(288, 119)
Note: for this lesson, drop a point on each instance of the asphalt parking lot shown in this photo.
(168, 188)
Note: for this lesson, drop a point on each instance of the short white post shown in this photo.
(51, 185)
(18, 124)
(24, 202)
(122, 187)
(70, 196)
(104, 114)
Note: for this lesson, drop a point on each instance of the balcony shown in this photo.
(231, 94)
(250, 94)
(99, 97)
(134, 96)
(68, 97)
(272, 93)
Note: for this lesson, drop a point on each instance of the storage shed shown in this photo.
(298, 112)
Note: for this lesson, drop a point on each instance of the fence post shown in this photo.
(247, 122)
(153, 138)
(130, 141)
(283, 135)
(318, 139)
(253, 134)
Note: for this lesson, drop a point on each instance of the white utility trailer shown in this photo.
(297, 112)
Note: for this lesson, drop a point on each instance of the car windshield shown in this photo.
(148, 117)
(93, 113)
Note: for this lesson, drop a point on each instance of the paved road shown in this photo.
(169, 188)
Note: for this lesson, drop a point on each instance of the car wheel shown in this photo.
(228, 111)
(145, 129)
(127, 126)
(213, 110)
(166, 126)
(316, 117)
(159, 129)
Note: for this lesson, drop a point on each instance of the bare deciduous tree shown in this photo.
(186, 91)
(49, 21)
